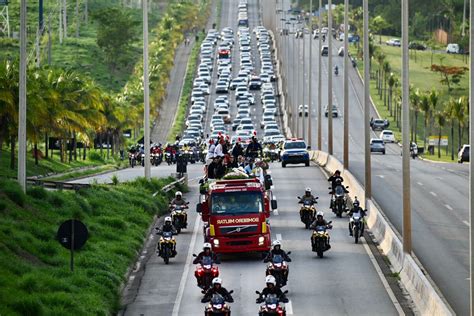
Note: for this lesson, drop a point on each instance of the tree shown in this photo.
(450, 74)
(378, 24)
(415, 105)
(386, 72)
(440, 118)
(391, 82)
(116, 32)
(434, 98)
(451, 117)
(425, 107)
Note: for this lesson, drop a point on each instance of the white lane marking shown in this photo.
(275, 212)
(433, 194)
(289, 308)
(278, 236)
(448, 207)
(387, 287)
(381, 176)
(466, 222)
(419, 183)
(184, 276)
(131, 278)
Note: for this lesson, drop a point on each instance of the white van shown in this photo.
(452, 48)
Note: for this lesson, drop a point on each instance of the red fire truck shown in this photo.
(236, 215)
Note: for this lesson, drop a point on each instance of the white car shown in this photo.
(394, 42)
(387, 136)
(452, 48)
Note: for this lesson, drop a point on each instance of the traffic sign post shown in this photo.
(72, 235)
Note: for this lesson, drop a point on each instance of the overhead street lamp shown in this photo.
(367, 173)
(303, 84)
(320, 141)
(346, 86)
(310, 100)
(330, 127)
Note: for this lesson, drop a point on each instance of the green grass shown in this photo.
(45, 166)
(34, 268)
(82, 173)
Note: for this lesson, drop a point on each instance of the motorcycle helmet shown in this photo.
(356, 203)
(178, 193)
(216, 281)
(308, 190)
(320, 213)
(276, 243)
(337, 172)
(270, 279)
(167, 219)
(206, 245)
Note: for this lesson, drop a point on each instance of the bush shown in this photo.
(38, 193)
(56, 200)
(95, 156)
(115, 180)
(3, 205)
(28, 305)
(15, 193)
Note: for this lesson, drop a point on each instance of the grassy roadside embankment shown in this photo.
(34, 268)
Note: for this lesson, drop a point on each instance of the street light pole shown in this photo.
(406, 132)
(303, 73)
(22, 99)
(367, 174)
(471, 167)
(346, 86)
(320, 98)
(298, 98)
(310, 101)
(146, 89)
(330, 136)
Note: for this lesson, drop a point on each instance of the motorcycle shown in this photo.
(271, 305)
(206, 270)
(338, 200)
(320, 240)
(143, 160)
(156, 159)
(271, 154)
(168, 158)
(132, 159)
(179, 216)
(217, 306)
(166, 246)
(307, 213)
(357, 226)
(336, 71)
(279, 269)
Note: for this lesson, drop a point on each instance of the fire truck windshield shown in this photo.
(236, 203)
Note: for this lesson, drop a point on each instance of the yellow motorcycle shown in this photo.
(320, 239)
(179, 217)
(166, 246)
(307, 212)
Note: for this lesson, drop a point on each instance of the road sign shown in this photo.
(72, 235)
(434, 140)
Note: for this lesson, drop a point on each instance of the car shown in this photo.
(269, 134)
(452, 48)
(236, 123)
(306, 110)
(266, 120)
(255, 83)
(335, 112)
(340, 52)
(265, 77)
(196, 94)
(377, 145)
(463, 154)
(244, 112)
(246, 96)
(379, 124)
(294, 151)
(246, 120)
(417, 46)
(225, 114)
(394, 42)
(387, 136)
(205, 88)
(275, 139)
(270, 108)
(222, 87)
(249, 128)
(244, 103)
(237, 81)
(325, 50)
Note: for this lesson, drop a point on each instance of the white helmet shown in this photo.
(167, 219)
(308, 189)
(216, 281)
(270, 279)
(320, 213)
(276, 243)
(178, 193)
(206, 245)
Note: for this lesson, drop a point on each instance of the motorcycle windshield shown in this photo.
(217, 299)
(320, 228)
(271, 299)
(206, 261)
(167, 234)
(339, 190)
(277, 259)
(307, 203)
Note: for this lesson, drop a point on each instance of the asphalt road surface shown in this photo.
(439, 191)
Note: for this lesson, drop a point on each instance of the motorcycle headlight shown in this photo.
(217, 306)
(272, 306)
(207, 266)
(277, 265)
(261, 240)
(216, 242)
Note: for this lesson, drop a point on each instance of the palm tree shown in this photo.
(451, 117)
(434, 99)
(461, 112)
(391, 82)
(415, 105)
(425, 107)
(440, 120)
(386, 71)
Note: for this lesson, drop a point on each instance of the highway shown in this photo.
(439, 190)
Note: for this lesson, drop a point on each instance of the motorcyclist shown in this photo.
(334, 179)
(217, 288)
(320, 221)
(271, 288)
(336, 70)
(206, 252)
(168, 227)
(276, 250)
(237, 150)
(356, 210)
(308, 197)
(178, 199)
(210, 151)
(254, 148)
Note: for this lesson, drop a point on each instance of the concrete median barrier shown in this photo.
(425, 296)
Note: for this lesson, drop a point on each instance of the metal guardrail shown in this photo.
(58, 184)
(171, 186)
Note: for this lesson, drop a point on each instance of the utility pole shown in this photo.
(406, 132)
(330, 136)
(78, 20)
(346, 85)
(293, 93)
(60, 24)
(22, 99)
(65, 18)
(367, 175)
(40, 15)
(146, 90)
(49, 40)
(303, 84)
(310, 100)
(298, 96)
(471, 167)
(320, 98)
